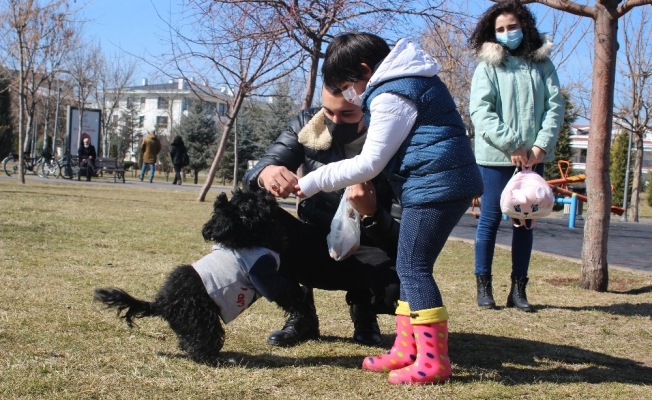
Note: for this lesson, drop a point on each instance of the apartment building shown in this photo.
(579, 142)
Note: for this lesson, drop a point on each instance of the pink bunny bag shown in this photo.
(526, 197)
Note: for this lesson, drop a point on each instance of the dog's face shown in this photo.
(247, 220)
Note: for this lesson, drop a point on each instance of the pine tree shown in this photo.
(199, 132)
(562, 148)
(259, 124)
(618, 167)
(126, 141)
(268, 120)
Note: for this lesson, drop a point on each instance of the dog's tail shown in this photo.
(118, 298)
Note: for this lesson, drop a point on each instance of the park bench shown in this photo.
(102, 165)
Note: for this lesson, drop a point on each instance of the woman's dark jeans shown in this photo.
(495, 179)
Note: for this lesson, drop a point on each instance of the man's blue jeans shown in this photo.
(151, 171)
(495, 179)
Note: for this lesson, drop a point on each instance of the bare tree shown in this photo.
(311, 24)
(457, 62)
(32, 36)
(634, 108)
(605, 15)
(238, 46)
(113, 79)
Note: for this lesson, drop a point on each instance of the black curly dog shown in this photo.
(249, 219)
(255, 220)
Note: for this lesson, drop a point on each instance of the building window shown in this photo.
(114, 118)
(210, 108)
(186, 104)
(162, 122)
(141, 121)
(142, 102)
(163, 103)
(222, 109)
(130, 102)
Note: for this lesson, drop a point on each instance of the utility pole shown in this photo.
(629, 156)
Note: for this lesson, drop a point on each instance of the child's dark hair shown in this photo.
(345, 54)
(485, 31)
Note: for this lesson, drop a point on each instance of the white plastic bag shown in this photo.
(344, 238)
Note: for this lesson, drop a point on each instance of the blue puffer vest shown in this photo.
(435, 163)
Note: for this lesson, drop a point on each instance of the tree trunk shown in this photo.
(21, 130)
(235, 158)
(239, 98)
(595, 274)
(312, 76)
(632, 213)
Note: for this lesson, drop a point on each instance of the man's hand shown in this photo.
(520, 157)
(277, 180)
(535, 156)
(363, 198)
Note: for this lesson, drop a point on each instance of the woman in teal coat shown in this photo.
(517, 111)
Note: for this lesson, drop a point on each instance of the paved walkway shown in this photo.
(630, 244)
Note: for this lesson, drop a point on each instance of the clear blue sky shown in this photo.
(129, 25)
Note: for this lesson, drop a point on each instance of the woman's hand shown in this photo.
(535, 156)
(520, 157)
(277, 180)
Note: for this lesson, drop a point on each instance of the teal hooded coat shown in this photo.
(515, 101)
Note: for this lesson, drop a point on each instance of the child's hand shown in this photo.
(298, 192)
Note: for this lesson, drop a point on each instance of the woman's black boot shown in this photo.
(485, 292)
(517, 297)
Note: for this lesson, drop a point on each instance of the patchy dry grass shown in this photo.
(58, 242)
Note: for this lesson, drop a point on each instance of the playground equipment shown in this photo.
(565, 196)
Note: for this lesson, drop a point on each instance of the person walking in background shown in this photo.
(179, 156)
(87, 156)
(517, 110)
(149, 149)
(417, 139)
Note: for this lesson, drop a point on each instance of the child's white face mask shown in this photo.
(351, 96)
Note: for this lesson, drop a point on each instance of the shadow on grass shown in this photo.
(642, 290)
(519, 361)
(624, 309)
(510, 361)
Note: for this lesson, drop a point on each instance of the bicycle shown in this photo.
(50, 167)
(11, 163)
(68, 166)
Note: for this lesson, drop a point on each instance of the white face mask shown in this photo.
(351, 96)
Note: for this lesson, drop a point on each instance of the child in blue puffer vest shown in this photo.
(417, 138)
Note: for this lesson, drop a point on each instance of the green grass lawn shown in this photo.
(59, 241)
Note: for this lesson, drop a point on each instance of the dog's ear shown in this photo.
(221, 201)
(222, 227)
(248, 219)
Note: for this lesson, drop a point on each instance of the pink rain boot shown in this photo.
(431, 335)
(404, 350)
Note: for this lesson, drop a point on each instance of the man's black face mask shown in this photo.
(343, 133)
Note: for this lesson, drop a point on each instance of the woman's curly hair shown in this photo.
(485, 31)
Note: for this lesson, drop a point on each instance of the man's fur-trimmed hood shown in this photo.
(493, 53)
(314, 134)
